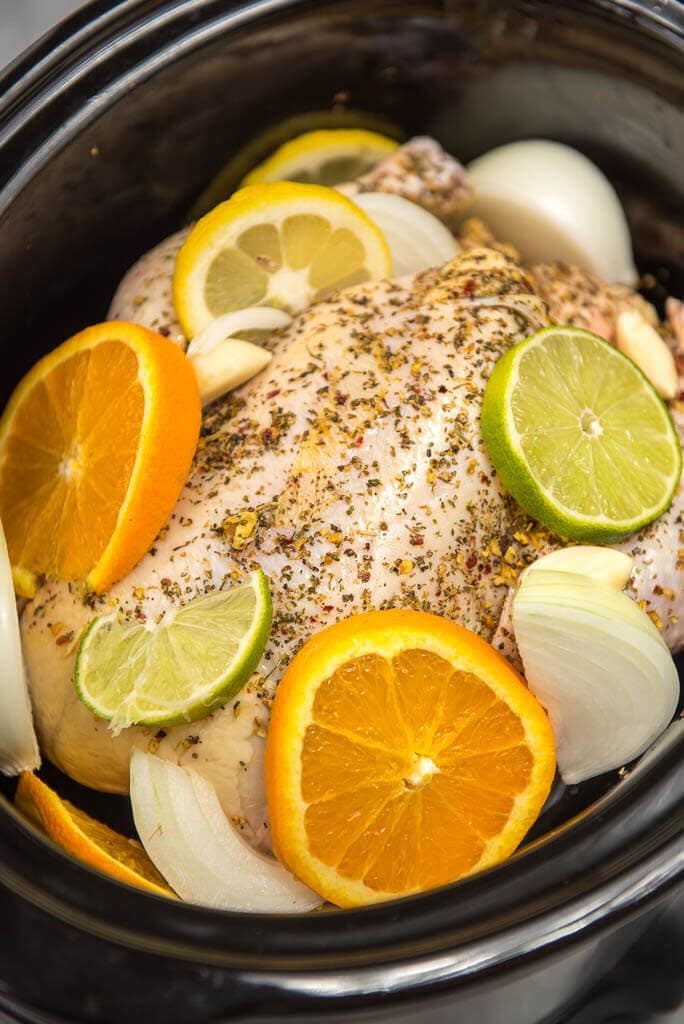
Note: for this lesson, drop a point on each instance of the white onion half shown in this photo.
(551, 202)
(189, 839)
(417, 239)
(598, 665)
(18, 743)
(252, 318)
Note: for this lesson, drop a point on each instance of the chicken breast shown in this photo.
(145, 295)
(352, 471)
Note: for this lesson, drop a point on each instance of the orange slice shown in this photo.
(87, 839)
(403, 753)
(95, 446)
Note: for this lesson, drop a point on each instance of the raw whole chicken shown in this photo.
(352, 471)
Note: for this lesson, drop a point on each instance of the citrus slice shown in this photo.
(324, 157)
(180, 668)
(261, 146)
(579, 436)
(95, 446)
(281, 244)
(86, 838)
(403, 753)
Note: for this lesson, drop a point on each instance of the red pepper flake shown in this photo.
(358, 441)
(267, 436)
(341, 399)
(471, 561)
(65, 638)
(272, 394)
(469, 287)
(328, 607)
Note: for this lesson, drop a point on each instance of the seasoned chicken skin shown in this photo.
(352, 471)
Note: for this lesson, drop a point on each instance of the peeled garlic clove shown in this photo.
(226, 366)
(18, 743)
(417, 239)
(641, 342)
(191, 842)
(551, 203)
(604, 565)
(599, 666)
(252, 318)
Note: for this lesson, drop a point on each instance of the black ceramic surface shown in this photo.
(108, 132)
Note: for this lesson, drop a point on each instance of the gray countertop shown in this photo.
(23, 21)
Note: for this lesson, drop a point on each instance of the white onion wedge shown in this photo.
(604, 565)
(189, 839)
(598, 665)
(252, 318)
(417, 239)
(551, 202)
(18, 743)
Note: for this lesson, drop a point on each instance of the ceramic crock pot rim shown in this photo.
(101, 29)
(507, 914)
(70, 891)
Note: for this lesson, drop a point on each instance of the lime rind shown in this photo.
(578, 489)
(193, 661)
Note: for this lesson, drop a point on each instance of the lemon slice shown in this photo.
(324, 157)
(580, 437)
(280, 244)
(263, 145)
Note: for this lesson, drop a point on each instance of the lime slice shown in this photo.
(324, 157)
(179, 669)
(579, 436)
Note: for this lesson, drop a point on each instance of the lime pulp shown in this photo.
(179, 669)
(579, 436)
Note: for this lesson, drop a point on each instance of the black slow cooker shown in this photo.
(110, 127)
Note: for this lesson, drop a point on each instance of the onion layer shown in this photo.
(598, 665)
(417, 239)
(189, 839)
(252, 318)
(605, 565)
(18, 744)
(551, 202)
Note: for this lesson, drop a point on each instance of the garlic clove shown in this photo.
(226, 366)
(640, 341)
(604, 565)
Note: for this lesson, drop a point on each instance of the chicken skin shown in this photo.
(352, 471)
